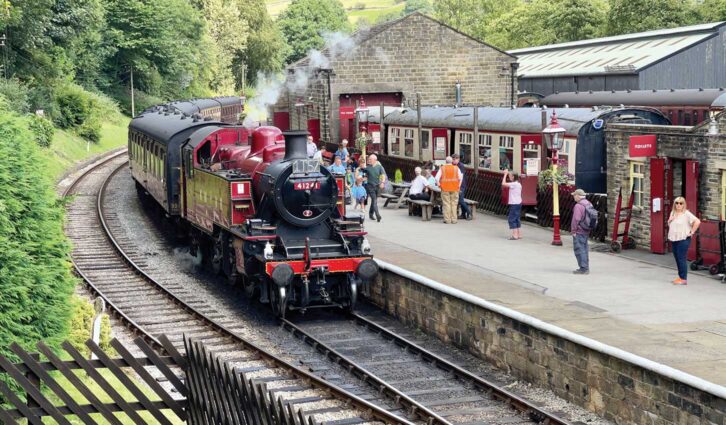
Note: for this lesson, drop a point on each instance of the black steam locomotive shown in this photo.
(255, 207)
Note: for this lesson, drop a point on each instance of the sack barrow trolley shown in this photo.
(720, 268)
(626, 242)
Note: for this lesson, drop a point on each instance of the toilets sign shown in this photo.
(642, 146)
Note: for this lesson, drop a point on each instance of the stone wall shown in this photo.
(676, 142)
(612, 388)
(413, 55)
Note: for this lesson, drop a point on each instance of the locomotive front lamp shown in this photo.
(554, 136)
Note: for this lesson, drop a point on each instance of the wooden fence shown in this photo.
(109, 390)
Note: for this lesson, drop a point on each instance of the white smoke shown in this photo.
(270, 87)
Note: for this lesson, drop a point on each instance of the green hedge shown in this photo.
(35, 279)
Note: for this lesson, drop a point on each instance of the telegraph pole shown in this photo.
(133, 106)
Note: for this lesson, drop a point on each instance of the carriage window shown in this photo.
(695, 117)
(688, 119)
(530, 158)
(637, 177)
(680, 117)
(485, 151)
(425, 136)
(506, 152)
(465, 140)
(396, 141)
(439, 147)
(408, 143)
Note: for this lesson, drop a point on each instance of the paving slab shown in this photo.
(627, 301)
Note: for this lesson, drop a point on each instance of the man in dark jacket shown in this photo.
(465, 210)
(580, 234)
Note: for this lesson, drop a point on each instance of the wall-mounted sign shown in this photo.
(531, 166)
(347, 112)
(641, 146)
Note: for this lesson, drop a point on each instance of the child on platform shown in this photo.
(359, 194)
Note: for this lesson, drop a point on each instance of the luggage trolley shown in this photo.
(720, 268)
(622, 215)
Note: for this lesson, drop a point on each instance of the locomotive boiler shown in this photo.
(255, 208)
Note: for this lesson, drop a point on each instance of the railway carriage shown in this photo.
(255, 208)
(682, 106)
(506, 138)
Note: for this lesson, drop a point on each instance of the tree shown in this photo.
(423, 6)
(266, 49)
(713, 10)
(229, 31)
(304, 21)
(35, 280)
(545, 22)
(166, 43)
(471, 16)
(629, 16)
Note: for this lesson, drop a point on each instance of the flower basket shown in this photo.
(548, 177)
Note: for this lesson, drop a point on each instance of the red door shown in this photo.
(690, 172)
(658, 215)
(531, 166)
(346, 115)
(314, 129)
(281, 120)
(440, 136)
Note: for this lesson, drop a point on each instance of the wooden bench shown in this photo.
(427, 208)
(472, 206)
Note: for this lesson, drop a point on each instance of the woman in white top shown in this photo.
(515, 203)
(682, 224)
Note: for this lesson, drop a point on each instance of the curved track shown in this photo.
(149, 308)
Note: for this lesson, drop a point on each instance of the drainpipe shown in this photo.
(514, 66)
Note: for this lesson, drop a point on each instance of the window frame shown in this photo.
(486, 137)
(638, 195)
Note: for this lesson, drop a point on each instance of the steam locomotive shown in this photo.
(254, 207)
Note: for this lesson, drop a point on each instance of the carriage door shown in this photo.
(531, 145)
(661, 194)
(690, 178)
(440, 138)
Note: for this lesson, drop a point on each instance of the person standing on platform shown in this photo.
(515, 203)
(375, 184)
(419, 187)
(359, 194)
(465, 209)
(312, 147)
(449, 179)
(580, 233)
(682, 224)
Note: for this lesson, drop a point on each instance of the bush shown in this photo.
(43, 130)
(16, 95)
(74, 106)
(142, 100)
(35, 279)
(82, 327)
(359, 6)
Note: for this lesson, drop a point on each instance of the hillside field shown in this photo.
(369, 9)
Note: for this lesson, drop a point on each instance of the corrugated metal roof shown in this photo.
(685, 97)
(519, 120)
(624, 54)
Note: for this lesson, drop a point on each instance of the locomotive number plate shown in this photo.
(305, 166)
(309, 185)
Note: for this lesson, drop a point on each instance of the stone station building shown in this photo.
(684, 161)
(391, 63)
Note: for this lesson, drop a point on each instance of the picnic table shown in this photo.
(435, 200)
(400, 192)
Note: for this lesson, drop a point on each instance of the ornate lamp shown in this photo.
(554, 136)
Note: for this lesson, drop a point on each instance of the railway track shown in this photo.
(152, 310)
(434, 388)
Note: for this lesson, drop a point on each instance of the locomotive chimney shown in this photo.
(296, 144)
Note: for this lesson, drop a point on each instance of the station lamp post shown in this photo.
(554, 136)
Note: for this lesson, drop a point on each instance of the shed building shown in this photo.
(391, 63)
(689, 57)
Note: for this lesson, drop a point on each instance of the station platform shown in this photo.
(627, 300)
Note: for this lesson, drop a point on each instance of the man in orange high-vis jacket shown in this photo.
(449, 179)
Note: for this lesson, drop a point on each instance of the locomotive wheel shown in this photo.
(217, 254)
(352, 291)
(616, 246)
(278, 300)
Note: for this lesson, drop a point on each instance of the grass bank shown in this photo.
(69, 149)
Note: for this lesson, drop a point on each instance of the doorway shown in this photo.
(670, 178)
